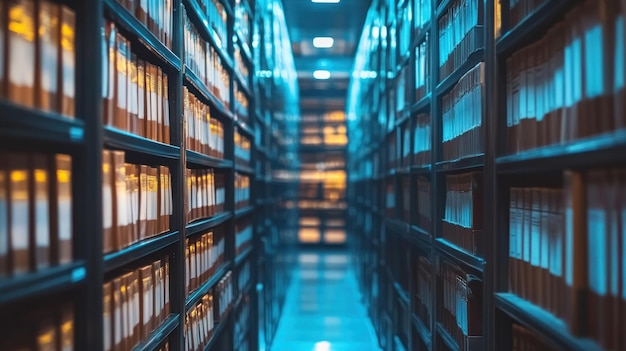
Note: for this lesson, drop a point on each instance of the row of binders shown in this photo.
(462, 114)
(423, 290)
(206, 193)
(38, 57)
(50, 329)
(548, 226)
(460, 34)
(243, 235)
(204, 254)
(36, 211)
(461, 307)
(135, 92)
(135, 304)
(217, 19)
(569, 84)
(463, 215)
(242, 191)
(205, 134)
(203, 59)
(537, 246)
(156, 15)
(202, 319)
(242, 149)
(137, 201)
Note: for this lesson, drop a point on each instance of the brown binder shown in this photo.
(166, 286)
(3, 41)
(47, 56)
(146, 304)
(107, 326)
(19, 212)
(133, 95)
(20, 51)
(159, 125)
(68, 61)
(166, 109)
(40, 210)
(158, 292)
(141, 98)
(5, 206)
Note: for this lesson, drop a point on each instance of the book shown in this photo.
(5, 230)
(20, 215)
(21, 52)
(49, 23)
(40, 209)
(64, 208)
(463, 216)
(68, 61)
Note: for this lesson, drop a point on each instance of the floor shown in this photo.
(323, 309)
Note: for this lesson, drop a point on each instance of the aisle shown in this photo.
(323, 310)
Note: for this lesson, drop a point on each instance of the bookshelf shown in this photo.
(75, 160)
(530, 173)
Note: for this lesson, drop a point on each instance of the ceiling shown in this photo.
(343, 22)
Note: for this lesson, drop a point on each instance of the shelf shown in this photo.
(443, 7)
(529, 29)
(121, 140)
(421, 35)
(420, 235)
(193, 81)
(586, 153)
(244, 170)
(242, 256)
(446, 84)
(245, 128)
(160, 334)
(199, 159)
(217, 331)
(401, 293)
(448, 340)
(542, 322)
(422, 331)
(458, 255)
(398, 226)
(421, 170)
(22, 123)
(45, 282)
(245, 48)
(462, 164)
(149, 41)
(242, 84)
(422, 104)
(202, 226)
(244, 211)
(138, 251)
(197, 295)
(202, 24)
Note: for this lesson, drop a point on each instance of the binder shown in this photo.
(21, 52)
(40, 210)
(47, 56)
(68, 59)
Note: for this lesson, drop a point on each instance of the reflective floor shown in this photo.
(323, 309)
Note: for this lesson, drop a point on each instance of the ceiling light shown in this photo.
(323, 42)
(321, 74)
(326, 1)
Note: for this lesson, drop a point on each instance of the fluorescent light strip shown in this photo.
(326, 1)
(321, 74)
(323, 42)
